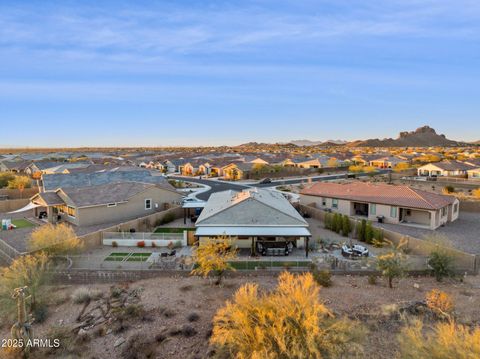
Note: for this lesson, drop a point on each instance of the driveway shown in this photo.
(464, 233)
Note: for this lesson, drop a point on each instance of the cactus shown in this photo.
(22, 329)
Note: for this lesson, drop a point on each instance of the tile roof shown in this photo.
(452, 165)
(380, 193)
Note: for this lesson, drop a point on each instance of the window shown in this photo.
(71, 211)
(444, 211)
(148, 204)
(334, 203)
(393, 212)
(373, 208)
(455, 207)
(324, 202)
(111, 205)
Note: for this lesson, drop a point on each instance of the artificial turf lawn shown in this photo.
(266, 264)
(22, 223)
(122, 256)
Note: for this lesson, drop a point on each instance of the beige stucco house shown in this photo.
(444, 168)
(252, 218)
(108, 203)
(389, 203)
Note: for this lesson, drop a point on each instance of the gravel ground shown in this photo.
(464, 233)
(349, 296)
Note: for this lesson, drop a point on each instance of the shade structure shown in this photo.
(26, 208)
(253, 231)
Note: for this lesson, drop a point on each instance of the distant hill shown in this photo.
(422, 137)
(302, 143)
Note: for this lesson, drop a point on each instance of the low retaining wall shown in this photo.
(147, 238)
(463, 261)
(142, 224)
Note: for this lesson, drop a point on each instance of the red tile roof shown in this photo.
(403, 196)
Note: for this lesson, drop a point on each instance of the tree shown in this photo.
(361, 230)
(289, 322)
(445, 341)
(441, 263)
(20, 183)
(332, 162)
(369, 232)
(54, 240)
(214, 256)
(476, 193)
(5, 177)
(402, 166)
(328, 221)
(27, 271)
(391, 265)
(346, 225)
(355, 168)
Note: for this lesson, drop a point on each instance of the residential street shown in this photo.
(218, 186)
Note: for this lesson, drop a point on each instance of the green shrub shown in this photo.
(369, 232)
(323, 277)
(40, 313)
(449, 189)
(169, 217)
(372, 279)
(441, 263)
(346, 226)
(361, 231)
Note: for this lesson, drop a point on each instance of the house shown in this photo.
(307, 162)
(445, 168)
(237, 171)
(51, 182)
(385, 162)
(252, 218)
(13, 166)
(389, 203)
(107, 203)
(36, 169)
(474, 173)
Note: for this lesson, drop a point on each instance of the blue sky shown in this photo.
(155, 73)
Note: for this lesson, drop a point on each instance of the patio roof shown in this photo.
(253, 231)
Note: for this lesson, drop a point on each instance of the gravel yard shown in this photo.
(174, 302)
(464, 233)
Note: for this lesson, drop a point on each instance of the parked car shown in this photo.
(354, 251)
(265, 181)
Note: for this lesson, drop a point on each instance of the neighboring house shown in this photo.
(307, 162)
(75, 180)
(392, 204)
(39, 168)
(14, 166)
(474, 174)
(251, 217)
(237, 171)
(445, 168)
(103, 204)
(385, 162)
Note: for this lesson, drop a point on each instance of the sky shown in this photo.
(194, 73)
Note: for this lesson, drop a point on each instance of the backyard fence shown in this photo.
(7, 252)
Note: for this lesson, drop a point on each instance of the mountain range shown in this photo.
(424, 136)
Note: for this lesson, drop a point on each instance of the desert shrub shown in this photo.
(323, 277)
(81, 295)
(167, 312)
(114, 244)
(193, 317)
(40, 313)
(186, 287)
(372, 279)
(141, 244)
(288, 322)
(214, 256)
(54, 240)
(178, 244)
(440, 302)
(445, 341)
(476, 193)
(441, 263)
(378, 237)
(139, 346)
(448, 189)
(154, 245)
(392, 266)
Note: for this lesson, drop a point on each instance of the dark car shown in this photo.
(265, 181)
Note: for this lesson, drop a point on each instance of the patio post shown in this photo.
(306, 247)
(184, 216)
